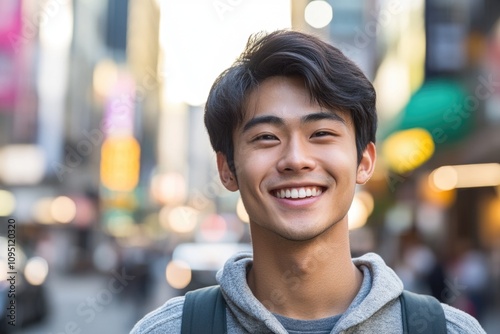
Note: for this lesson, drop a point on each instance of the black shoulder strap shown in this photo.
(421, 314)
(204, 311)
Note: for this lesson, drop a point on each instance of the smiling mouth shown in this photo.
(297, 193)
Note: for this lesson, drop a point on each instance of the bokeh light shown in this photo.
(180, 219)
(30, 171)
(105, 76)
(408, 149)
(444, 178)
(178, 274)
(63, 209)
(7, 203)
(42, 211)
(241, 211)
(466, 176)
(36, 270)
(169, 188)
(318, 14)
(213, 228)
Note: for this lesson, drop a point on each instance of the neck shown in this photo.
(304, 279)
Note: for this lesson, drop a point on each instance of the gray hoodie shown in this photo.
(375, 309)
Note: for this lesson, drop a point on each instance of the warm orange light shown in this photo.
(181, 219)
(466, 176)
(242, 212)
(169, 188)
(42, 212)
(430, 193)
(120, 163)
(178, 274)
(63, 209)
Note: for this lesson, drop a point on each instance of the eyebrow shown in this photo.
(278, 121)
(319, 116)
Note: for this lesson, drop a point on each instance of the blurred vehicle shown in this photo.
(23, 299)
(194, 265)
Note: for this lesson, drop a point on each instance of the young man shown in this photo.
(293, 125)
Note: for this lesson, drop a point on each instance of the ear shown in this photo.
(227, 177)
(367, 164)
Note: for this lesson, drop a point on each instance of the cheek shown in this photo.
(338, 159)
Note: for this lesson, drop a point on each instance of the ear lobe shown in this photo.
(226, 175)
(367, 164)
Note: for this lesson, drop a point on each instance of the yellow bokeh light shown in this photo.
(7, 203)
(120, 163)
(408, 149)
(242, 212)
(178, 274)
(358, 214)
(63, 209)
(42, 211)
(367, 199)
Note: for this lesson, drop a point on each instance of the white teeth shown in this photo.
(298, 192)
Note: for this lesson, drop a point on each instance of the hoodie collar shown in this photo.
(380, 286)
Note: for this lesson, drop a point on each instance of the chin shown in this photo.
(300, 236)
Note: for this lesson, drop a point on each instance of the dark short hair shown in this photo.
(333, 81)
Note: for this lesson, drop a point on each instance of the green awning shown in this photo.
(440, 106)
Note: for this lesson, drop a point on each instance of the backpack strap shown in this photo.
(421, 314)
(204, 311)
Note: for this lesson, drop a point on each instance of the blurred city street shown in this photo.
(67, 294)
(77, 304)
(109, 186)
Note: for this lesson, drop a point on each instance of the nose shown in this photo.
(296, 156)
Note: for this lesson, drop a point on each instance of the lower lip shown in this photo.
(298, 202)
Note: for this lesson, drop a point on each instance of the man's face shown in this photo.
(296, 162)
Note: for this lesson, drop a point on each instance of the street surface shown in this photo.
(89, 304)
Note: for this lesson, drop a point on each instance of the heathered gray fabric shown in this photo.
(375, 309)
(319, 326)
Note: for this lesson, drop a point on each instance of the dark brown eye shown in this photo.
(322, 134)
(266, 137)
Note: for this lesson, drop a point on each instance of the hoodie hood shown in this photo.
(379, 287)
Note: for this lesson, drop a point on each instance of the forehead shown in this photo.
(284, 97)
